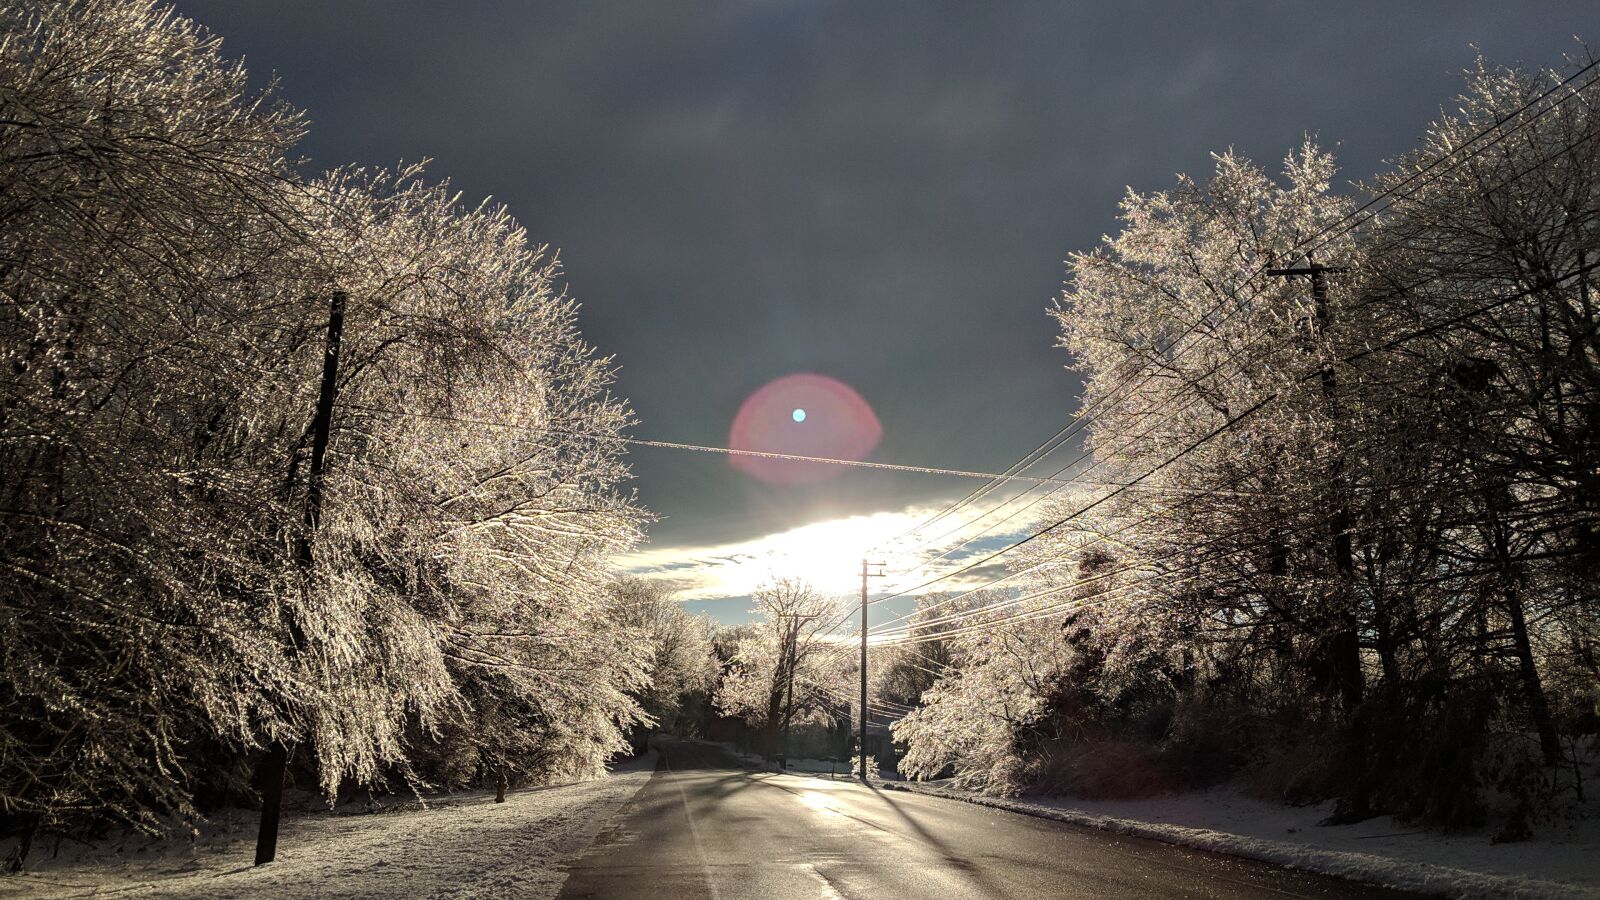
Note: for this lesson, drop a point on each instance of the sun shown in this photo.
(804, 414)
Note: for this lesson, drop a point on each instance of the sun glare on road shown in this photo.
(817, 800)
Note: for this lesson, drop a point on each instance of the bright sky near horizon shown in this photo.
(827, 553)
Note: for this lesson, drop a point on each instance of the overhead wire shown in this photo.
(1307, 247)
(1013, 473)
(1498, 302)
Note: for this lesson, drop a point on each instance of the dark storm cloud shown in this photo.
(881, 192)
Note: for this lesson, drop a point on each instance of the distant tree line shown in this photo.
(183, 590)
(1361, 559)
(778, 673)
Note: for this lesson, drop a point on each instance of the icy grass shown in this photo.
(1563, 863)
(460, 845)
(797, 765)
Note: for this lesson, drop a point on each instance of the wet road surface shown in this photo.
(703, 827)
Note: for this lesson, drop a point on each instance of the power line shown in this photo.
(1075, 605)
(1437, 326)
(983, 611)
(1202, 492)
(1346, 223)
(887, 715)
(1075, 480)
(886, 636)
(1017, 573)
(1307, 246)
(1315, 240)
(1082, 510)
(1312, 243)
(1231, 422)
(703, 448)
(978, 493)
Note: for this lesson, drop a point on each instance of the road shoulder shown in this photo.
(461, 844)
(1373, 868)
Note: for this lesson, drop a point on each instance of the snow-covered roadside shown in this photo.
(463, 845)
(798, 764)
(1380, 851)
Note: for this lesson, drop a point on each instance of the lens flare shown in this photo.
(805, 414)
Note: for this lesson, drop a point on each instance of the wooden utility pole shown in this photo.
(1346, 645)
(1344, 558)
(277, 761)
(1348, 652)
(863, 724)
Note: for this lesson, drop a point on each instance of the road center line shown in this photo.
(694, 833)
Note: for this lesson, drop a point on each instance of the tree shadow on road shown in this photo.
(987, 886)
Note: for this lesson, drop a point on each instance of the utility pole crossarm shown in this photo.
(1312, 269)
(1346, 645)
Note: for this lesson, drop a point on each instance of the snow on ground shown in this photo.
(798, 764)
(462, 845)
(1562, 861)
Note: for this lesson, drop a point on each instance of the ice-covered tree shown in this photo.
(1357, 533)
(150, 253)
(975, 720)
(781, 668)
(683, 666)
(174, 601)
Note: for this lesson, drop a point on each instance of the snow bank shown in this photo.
(1380, 850)
(798, 764)
(842, 768)
(461, 845)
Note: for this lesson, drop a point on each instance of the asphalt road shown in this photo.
(702, 827)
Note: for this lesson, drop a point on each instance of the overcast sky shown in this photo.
(874, 191)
